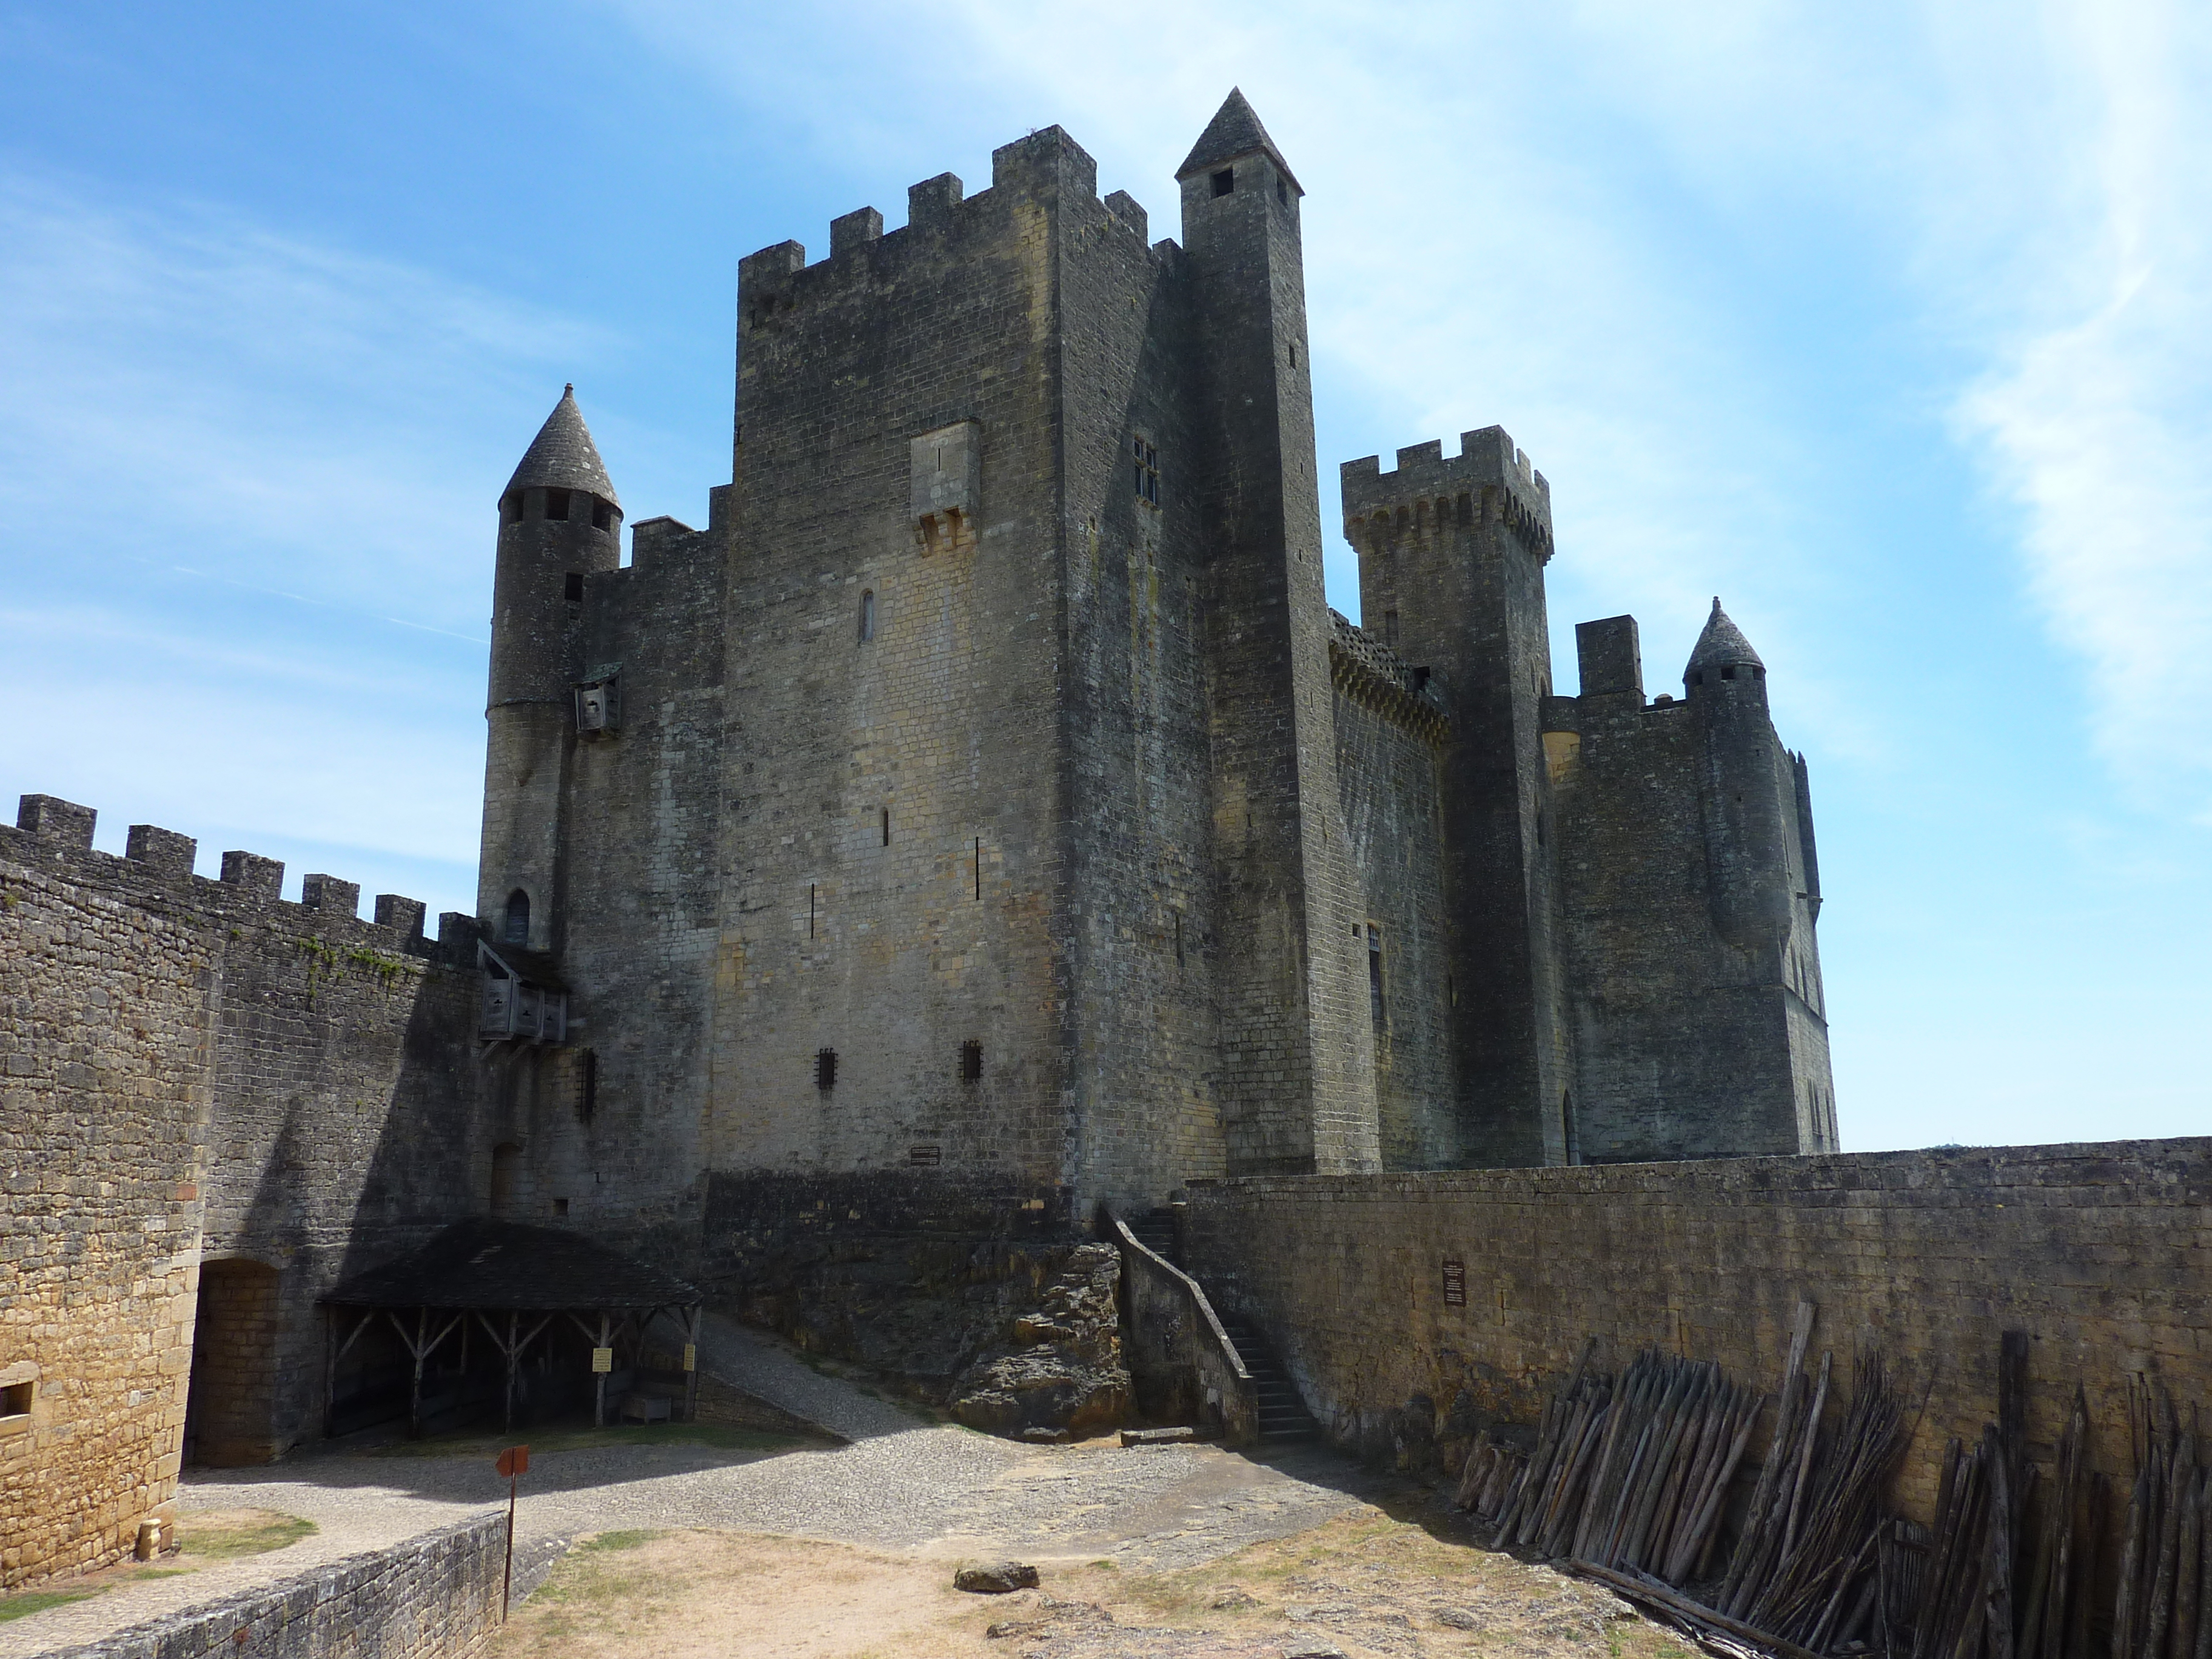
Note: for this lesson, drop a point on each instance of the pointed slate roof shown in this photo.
(1722, 644)
(562, 456)
(1235, 130)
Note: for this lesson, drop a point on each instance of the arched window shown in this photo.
(517, 931)
(867, 616)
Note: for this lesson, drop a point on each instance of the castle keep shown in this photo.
(989, 788)
(982, 819)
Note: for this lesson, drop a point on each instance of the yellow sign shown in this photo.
(602, 1360)
(690, 1357)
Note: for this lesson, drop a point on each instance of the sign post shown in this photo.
(512, 1462)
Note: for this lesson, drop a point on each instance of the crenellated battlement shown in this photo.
(53, 831)
(1046, 166)
(1489, 473)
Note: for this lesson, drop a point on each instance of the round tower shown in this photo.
(1746, 865)
(560, 525)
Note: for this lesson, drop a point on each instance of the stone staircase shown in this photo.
(1155, 1231)
(1284, 1418)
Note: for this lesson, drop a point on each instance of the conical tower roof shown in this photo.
(1233, 131)
(562, 456)
(1722, 645)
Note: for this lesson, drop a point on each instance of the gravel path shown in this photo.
(899, 1483)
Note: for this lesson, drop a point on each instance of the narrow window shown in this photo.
(517, 931)
(971, 1061)
(810, 909)
(1375, 975)
(510, 510)
(1389, 628)
(1567, 1126)
(887, 826)
(867, 616)
(557, 503)
(587, 1089)
(1145, 470)
(15, 1399)
(1727, 673)
(603, 516)
(1225, 181)
(1179, 938)
(1282, 192)
(572, 588)
(825, 1069)
(559, 1206)
(979, 869)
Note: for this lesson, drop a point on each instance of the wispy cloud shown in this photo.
(321, 413)
(2095, 413)
(249, 479)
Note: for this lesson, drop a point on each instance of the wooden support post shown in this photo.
(415, 1391)
(691, 1364)
(599, 1377)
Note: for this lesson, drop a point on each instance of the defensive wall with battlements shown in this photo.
(214, 1098)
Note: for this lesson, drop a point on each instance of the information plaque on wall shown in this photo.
(1454, 1283)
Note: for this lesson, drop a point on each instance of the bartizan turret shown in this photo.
(1747, 862)
(560, 527)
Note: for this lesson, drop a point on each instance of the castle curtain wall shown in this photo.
(106, 1020)
(1388, 769)
(2095, 1251)
(332, 1065)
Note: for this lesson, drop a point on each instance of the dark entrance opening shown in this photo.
(230, 1401)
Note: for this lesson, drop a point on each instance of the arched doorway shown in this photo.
(230, 1401)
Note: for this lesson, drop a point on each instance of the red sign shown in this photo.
(515, 1461)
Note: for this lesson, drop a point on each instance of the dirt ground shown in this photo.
(1362, 1586)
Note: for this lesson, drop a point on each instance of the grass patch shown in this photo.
(23, 1603)
(721, 1436)
(229, 1534)
(627, 1539)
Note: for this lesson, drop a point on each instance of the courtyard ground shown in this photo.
(677, 1541)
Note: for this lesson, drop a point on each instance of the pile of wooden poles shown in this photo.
(1989, 1581)
(2164, 1609)
(1634, 1475)
(1629, 1481)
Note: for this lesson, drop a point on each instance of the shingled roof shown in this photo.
(1721, 645)
(483, 1263)
(1235, 130)
(562, 456)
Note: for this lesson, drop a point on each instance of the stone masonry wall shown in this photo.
(1389, 780)
(432, 1597)
(105, 1026)
(2098, 1251)
(318, 1067)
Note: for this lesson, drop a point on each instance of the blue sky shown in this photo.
(1892, 325)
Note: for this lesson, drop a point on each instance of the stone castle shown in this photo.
(989, 787)
(982, 821)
